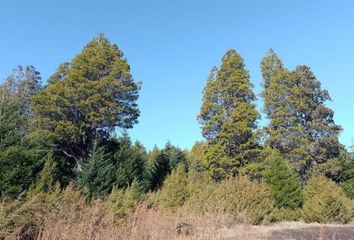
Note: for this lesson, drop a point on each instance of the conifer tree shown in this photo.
(285, 185)
(176, 156)
(228, 117)
(301, 127)
(20, 158)
(346, 176)
(130, 164)
(160, 168)
(325, 202)
(312, 114)
(47, 177)
(284, 134)
(174, 191)
(87, 99)
(96, 176)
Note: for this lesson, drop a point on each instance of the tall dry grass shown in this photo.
(144, 224)
(212, 211)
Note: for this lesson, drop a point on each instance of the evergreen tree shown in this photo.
(20, 158)
(60, 74)
(130, 164)
(346, 176)
(228, 117)
(313, 115)
(160, 168)
(175, 155)
(47, 177)
(285, 185)
(194, 158)
(325, 202)
(87, 99)
(284, 134)
(174, 191)
(301, 127)
(96, 176)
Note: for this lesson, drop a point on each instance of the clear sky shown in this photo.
(172, 45)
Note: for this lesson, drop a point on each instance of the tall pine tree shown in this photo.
(228, 117)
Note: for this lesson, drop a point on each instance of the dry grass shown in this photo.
(66, 215)
(151, 224)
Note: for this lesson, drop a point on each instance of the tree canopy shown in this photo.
(87, 98)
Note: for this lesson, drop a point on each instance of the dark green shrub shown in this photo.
(285, 185)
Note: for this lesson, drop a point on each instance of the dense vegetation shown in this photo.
(59, 146)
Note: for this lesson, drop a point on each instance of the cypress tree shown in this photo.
(284, 134)
(87, 99)
(312, 114)
(301, 127)
(228, 117)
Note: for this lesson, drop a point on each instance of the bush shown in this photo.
(124, 201)
(200, 191)
(286, 214)
(174, 191)
(325, 202)
(29, 213)
(248, 201)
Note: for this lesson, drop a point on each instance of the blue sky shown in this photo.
(172, 45)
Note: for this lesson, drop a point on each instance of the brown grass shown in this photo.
(95, 223)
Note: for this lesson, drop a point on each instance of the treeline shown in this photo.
(65, 130)
(65, 133)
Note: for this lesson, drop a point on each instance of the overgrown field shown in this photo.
(182, 209)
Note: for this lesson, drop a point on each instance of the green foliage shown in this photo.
(130, 163)
(95, 94)
(175, 155)
(124, 201)
(247, 200)
(194, 158)
(286, 214)
(174, 191)
(96, 175)
(228, 117)
(346, 176)
(301, 126)
(160, 168)
(60, 74)
(32, 211)
(20, 158)
(47, 177)
(285, 185)
(19, 165)
(200, 192)
(325, 202)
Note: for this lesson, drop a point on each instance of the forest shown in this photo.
(69, 169)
